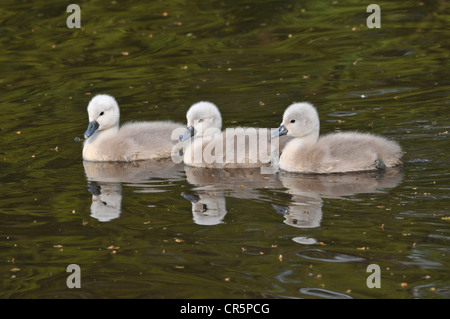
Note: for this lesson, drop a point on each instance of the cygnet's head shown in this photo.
(203, 118)
(207, 209)
(299, 120)
(103, 112)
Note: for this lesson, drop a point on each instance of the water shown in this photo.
(158, 230)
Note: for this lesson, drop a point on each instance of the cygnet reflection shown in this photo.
(211, 186)
(106, 201)
(105, 181)
(307, 191)
(306, 212)
(207, 208)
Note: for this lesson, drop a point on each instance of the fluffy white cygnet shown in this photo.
(240, 147)
(133, 141)
(333, 153)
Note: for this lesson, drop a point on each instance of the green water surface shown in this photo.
(159, 230)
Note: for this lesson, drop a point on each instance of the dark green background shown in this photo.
(251, 58)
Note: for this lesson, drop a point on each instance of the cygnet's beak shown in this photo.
(282, 130)
(93, 126)
(191, 197)
(188, 133)
(94, 189)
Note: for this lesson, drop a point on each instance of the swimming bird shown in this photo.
(332, 153)
(240, 147)
(106, 141)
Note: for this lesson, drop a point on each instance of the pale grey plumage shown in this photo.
(132, 141)
(333, 153)
(240, 147)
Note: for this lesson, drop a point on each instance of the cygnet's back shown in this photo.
(105, 141)
(333, 153)
(240, 147)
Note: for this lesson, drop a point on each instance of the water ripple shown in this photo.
(327, 256)
(323, 293)
(342, 114)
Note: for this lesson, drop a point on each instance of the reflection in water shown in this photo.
(305, 213)
(307, 191)
(106, 201)
(106, 178)
(207, 208)
(212, 185)
(305, 240)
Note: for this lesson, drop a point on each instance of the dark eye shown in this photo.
(102, 113)
(201, 120)
(292, 121)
